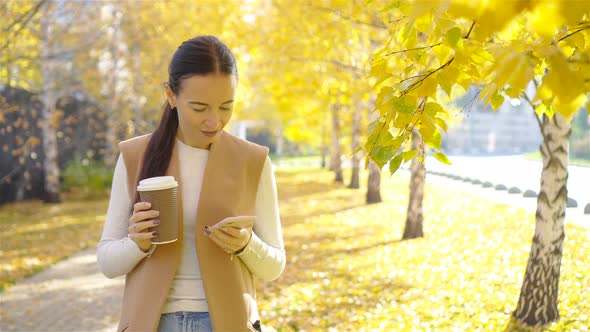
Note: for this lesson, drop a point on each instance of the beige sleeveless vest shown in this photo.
(229, 189)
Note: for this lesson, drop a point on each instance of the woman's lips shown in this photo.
(209, 133)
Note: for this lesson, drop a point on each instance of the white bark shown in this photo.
(374, 184)
(280, 141)
(48, 97)
(112, 117)
(356, 132)
(414, 218)
(336, 163)
(374, 180)
(538, 299)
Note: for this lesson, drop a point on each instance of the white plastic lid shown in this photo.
(157, 183)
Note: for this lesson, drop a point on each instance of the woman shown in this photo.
(195, 283)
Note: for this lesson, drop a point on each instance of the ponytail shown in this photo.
(159, 149)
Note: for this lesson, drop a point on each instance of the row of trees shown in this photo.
(309, 69)
(436, 47)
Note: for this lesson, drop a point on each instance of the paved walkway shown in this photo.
(72, 295)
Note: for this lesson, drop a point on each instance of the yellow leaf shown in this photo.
(545, 19)
(395, 163)
(512, 92)
(453, 37)
(420, 8)
(432, 108)
(409, 155)
(464, 9)
(573, 11)
(441, 124)
(427, 88)
(544, 94)
(497, 101)
(442, 52)
(446, 79)
(563, 81)
(568, 109)
(540, 110)
(576, 40)
(442, 158)
(514, 69)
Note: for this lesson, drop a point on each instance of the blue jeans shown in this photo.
(184, 321)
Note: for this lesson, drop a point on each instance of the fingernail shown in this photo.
(155, 233)
(157, 222)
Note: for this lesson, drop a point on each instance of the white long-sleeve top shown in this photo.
(264, 255)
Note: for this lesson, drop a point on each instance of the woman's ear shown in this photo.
(170, 95)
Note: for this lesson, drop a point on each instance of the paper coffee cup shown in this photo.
(162, 193)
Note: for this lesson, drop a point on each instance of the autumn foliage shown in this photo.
(535, 50)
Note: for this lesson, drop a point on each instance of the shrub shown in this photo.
(87, 177)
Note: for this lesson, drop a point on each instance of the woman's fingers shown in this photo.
(238, 221)
(142, 236)
(225, 238)
(231, 231)
(143, 225)
(140, 206)
(143, 215)
(227, 242)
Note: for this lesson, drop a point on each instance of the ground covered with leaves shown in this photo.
(346, 267)
(348, 270)
(35, 235)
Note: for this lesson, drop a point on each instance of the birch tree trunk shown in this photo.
(374, 181)
(112, 116)
(336, 163)
(138, 100)
(324, 148)
(280, 141)
(356, 132)
(537, 303)
(414, 218)
(374, 184)
(48, 97)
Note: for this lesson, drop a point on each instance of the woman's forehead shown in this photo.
(210, 86)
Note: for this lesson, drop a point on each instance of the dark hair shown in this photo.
(197, 56)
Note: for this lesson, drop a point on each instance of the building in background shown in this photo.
(512, 129)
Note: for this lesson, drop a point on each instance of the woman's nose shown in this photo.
(212, 119)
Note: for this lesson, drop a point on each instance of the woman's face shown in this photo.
(204, 104)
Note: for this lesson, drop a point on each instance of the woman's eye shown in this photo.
(199, 110)
(224, 108)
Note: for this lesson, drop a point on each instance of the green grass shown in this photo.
(297, 159)
(536, 155)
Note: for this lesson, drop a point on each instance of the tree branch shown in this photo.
(25, 17)
(470, 102)
(419, 82)
(469, 32)
(23, 20)
(545, 140)
(349, 18)
(349, 68)
(413, 49)
(573, 33)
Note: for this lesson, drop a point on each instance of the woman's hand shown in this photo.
(139, 224)
(231, 234)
